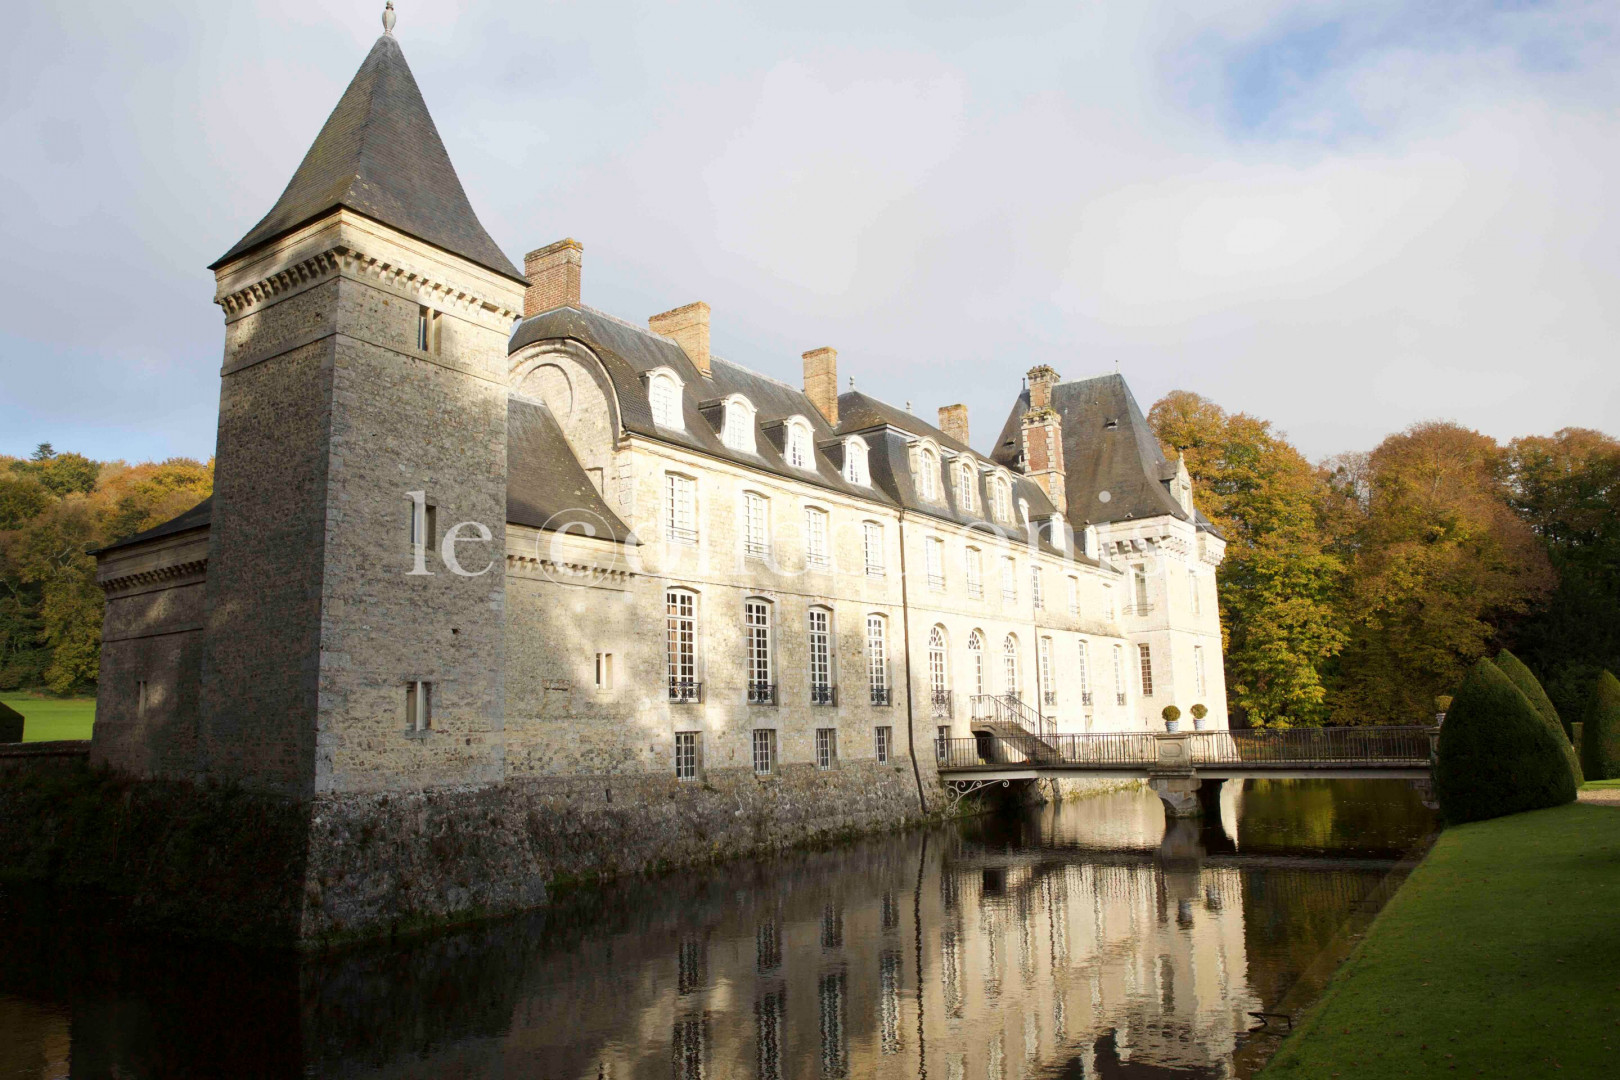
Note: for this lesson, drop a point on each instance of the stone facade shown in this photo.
(447, 655)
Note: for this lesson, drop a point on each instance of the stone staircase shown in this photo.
(1012, 722)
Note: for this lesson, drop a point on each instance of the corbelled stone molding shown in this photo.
(581, 573)
(165, 576)
(343, 258)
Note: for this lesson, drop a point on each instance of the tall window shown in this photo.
(934, 547)
(976, 660)
(757, 621)
(1036, 594)
(756, 526)
(680, 509)
(1009, 580)
(1140, 584)
(938, 674)
(883, 741)
(1074, 596)
(798, 446)
(738, 430)
(1198, 669)
(965, 495)
(427, 330)
(680, 609)
(1119, 674)
(855, 471)
(686, 755)
(1048, 687)
(820, 656)
(1193, 599)
(1147, 669)
(1001, 497)
(1009, 665)
(665, 398)
(975, 572)
(418, 705)
(826, 747)
(877, 659)
(927, 474)
(872, 542)
(764, 751)
(815, 538)
(1083, 672)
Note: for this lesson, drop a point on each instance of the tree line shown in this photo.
(1360, 590)
(55, 509)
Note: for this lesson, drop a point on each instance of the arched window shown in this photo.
(757, 623)
(821, 684)
(1048, 686)
(1009, 665)
(756, 525)
(1023, 511)
(965, 495)
(938, 673)
(855, 470)
(664, 396)
(1001, 497)
(927, 473)
(877, 659)
(737, 432)
(680, 608)
(799, 453)
(976, 660)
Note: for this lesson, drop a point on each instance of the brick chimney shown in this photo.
(689, 326)
(553, 273)
(1041, 380)
(821, 381)
(1043, 438)
(953, 422)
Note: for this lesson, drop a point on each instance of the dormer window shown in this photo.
(737, 432)
(855, 466)
(664, 397)
(1023, 511)
(927, 470)
(799, 452)
(965, 495)
(1001, 498)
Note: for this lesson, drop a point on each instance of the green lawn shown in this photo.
(1600, 784)
(1499, 957)
(46, 719)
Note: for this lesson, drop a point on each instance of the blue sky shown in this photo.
(1342, 217)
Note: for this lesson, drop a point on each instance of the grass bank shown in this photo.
(1499, 957)
(47, 719)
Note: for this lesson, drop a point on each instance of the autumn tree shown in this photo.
(1278, 583)
(1439, 564)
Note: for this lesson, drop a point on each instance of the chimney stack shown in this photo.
(953, 421)
(553, 273)
(821, 381)
(1041, 380)
(689, 326)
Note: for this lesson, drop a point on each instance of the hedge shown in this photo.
(1531, 688)
(1496, 754)
(1600, 730)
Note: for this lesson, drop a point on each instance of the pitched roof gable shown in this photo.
(379, 154)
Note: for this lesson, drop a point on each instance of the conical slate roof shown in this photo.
(380, 155)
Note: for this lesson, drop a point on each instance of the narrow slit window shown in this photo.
(1146, 655)
(140, 699)
(419, 706)
(604, 671)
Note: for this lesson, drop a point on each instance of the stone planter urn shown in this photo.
(1172, 726)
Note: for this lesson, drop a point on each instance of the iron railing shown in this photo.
(1310, 746)
(1085, 697)
(1138, 610)
(1119, 698)
(677, 535)
(882, 695)
(1109, 749)
(1049, 697)
(1010, 709)
(936, 582)
(762, 693)
(685, 692)
(943, 702)
(824, 695)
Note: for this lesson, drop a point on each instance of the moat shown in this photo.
(1079, 940)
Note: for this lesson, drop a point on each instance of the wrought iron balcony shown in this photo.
(685, 692)
(1009, 596)
(936, 582)
(762, 693)
(754, 550)
(824, 695)
(975, 590)
(1049, 697)
(1138, 610)
(874, 570)
(1085, 697)
(944, 704)
(1119, 699)
(882, 695)
(816, 562)
(677, 535)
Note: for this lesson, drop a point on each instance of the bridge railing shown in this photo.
(1127, 748)
(1310, 746)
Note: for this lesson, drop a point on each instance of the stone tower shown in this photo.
(366, 321)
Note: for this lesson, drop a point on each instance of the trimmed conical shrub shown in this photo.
(1530, 687)
(1600, 730)
(1497, 755)
(11, 724)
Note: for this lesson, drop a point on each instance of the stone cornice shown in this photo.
(350, 261)
(164, 577)
(566, 571)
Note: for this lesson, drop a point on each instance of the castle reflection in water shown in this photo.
(1081, 940)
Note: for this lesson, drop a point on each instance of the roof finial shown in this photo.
(852, 382)
(388, 17)
(908, 406)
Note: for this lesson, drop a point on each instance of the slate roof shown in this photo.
(195, 518)
(379, 154)
(545, 485)
(1107, 448)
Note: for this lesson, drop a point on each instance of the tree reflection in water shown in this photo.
(1083, 940)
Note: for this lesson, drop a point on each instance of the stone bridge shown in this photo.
(1010, 742)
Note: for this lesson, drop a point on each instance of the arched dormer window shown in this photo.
(855, 464)
(1023, 511)
(800, 453)
(925, 465)
(966, 496)
(737, 430)
(1001, 498)
(664, 396)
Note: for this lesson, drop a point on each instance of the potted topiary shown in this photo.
(1199, 712)
(1172, 718)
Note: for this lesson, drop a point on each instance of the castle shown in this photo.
(477, 549)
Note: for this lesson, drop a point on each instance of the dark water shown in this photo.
(1082, 940)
